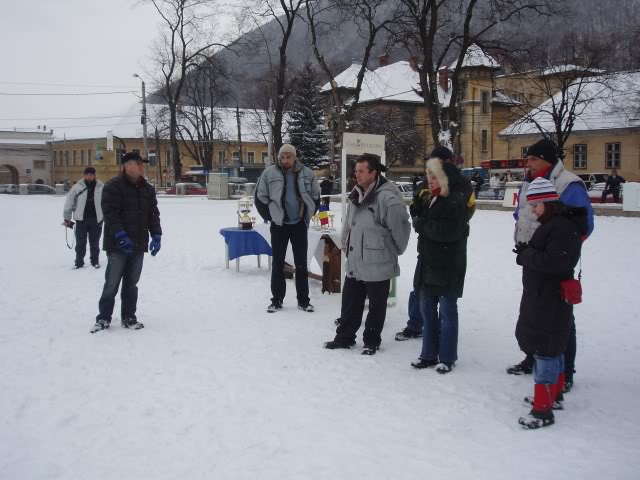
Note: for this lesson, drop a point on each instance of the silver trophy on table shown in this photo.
(245, 221)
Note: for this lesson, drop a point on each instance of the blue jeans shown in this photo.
(415, 322)
(123, 267)
(547, 369)
(440, 332)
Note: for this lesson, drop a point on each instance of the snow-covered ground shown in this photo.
(214, 387)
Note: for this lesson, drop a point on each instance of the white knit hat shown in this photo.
(541, 190)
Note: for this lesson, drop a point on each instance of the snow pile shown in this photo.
(214, 387)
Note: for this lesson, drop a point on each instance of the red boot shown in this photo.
(541, 415)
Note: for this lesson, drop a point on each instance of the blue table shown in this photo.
(239, 243)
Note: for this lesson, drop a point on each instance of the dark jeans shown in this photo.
(91, 228)
(280, 238)
(569, 353)
(415, 322)
(123, 267)
(615, 193)
(354, 294)
(440, 333)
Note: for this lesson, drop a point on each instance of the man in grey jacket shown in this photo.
(374, 234)
(83, 203)
(288, 196)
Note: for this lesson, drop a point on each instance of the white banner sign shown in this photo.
(110, 140)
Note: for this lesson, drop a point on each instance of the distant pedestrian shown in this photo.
(83, 204)
(494, 184)
(325, 191)
(613, 186)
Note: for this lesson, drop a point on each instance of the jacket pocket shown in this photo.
(374, 249)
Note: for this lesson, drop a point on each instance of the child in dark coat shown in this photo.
(545, 318)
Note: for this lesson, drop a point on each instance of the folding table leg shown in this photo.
(238, 264)
(226, 255)
(258, 261)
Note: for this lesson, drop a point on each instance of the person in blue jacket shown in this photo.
(543, 161)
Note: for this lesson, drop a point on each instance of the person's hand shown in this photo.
(68, 223)
(520, 247)
(124, 242)
(154, 246)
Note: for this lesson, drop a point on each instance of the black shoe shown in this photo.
(557, 403)
(306, 308)
(407, 334)
(522, 368)
(445, 367)
(537, 420)
(568, 383)
(76, 267)
(333, 345)
(274, 307)
(336, 322)
(132, 323)
(422, 363)
(95, 265)
(100, 325)
(370, 349)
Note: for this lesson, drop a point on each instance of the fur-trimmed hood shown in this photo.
(435, 168)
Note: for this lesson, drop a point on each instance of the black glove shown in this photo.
(520, 247)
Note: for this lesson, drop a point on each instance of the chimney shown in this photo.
(443, 78)
(413, 62)
(383, 59)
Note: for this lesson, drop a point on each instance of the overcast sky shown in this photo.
(95, 44)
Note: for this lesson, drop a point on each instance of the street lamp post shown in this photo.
(143, 120)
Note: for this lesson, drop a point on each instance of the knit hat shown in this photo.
(541, 190)
(287, 148)
(443, 153)
(132, 156)
(544, 149)
(89, 171)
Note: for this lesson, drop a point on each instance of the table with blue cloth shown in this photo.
(239, 243)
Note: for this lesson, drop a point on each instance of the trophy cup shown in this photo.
(245, 222)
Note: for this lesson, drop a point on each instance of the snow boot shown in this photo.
(335, 345)
(445, 367)
(423, 363)
(132, 323)
(407, 334)
(370, 349)
(541, 415)
(95, 265)
(274, 307)
(559, 388)
(568, 383)
(522, 368)
(77, 267)
(308, 308)
(100, 325)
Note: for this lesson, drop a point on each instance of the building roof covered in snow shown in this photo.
(477, 58)
(21, 137)
(604, 103)
(347, 78)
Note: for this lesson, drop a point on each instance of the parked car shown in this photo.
(595, 193)
(9, 188)
(590, 179)
(40, 190)
(189, 189)
(406, 188)
(488, 193)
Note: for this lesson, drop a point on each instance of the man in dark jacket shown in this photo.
(612, 186)
(325, 191)
(131, 214)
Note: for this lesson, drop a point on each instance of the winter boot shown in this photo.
(559, 388)
(568, 382)
(370, 349)
(132, 323)
(306, 308)
(95, 265)
(424, 363)
(100, 325)
(335, 345)
(407, 334)
(274, 307)
(445, 367)
(541, 415)
(522, 368)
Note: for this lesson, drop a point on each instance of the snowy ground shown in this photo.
(214, 387)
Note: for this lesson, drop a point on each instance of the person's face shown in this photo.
(536, 165)
(287, 160)
(537, 209)
(363, 176)
(134, 168)
(433, 182)
(614, 173)
(89, 177)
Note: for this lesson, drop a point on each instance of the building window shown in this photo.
(580, 156)
(39, 164)
(83, 160)
(485, 141)
(167, 158)
(265, 157)
(523, 152)
(55, 159)
(221, 157)
(485, 101)
(99, 154)
(152, 157)
(251, 157)
(613, 155)
(73, 158)
(89, 152)
(235, 157)
(120, 152)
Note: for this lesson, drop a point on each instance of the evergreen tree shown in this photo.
(306, 125)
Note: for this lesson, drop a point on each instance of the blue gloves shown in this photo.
(124, 242)
(154, 246)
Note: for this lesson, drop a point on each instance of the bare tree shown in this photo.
(185, 40)
(438, 31)
(552, 87)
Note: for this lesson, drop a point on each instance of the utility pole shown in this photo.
(158, 158)
(143, 119)
(270, 138)
(239, 135)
